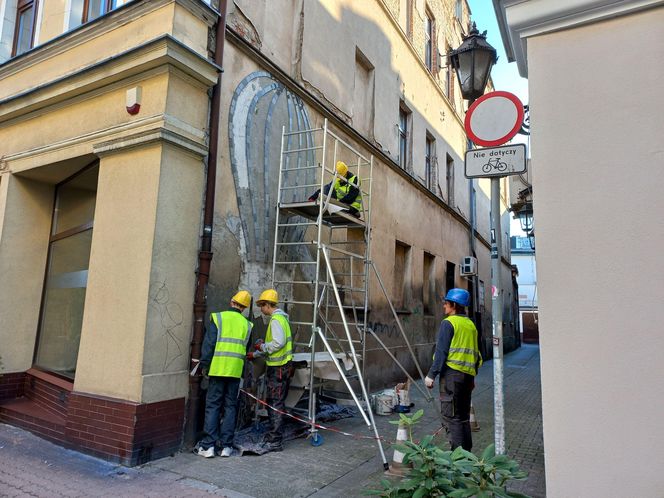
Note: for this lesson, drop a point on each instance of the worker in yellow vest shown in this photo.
(346, 189)
(223, 355)
(278, 352)
(456, 360)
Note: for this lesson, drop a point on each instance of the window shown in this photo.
(26, 11)
(430, 162)
(404, 135)
(406, 17)
(449, 179)
(449, 276)
(363, 95)
(402, 276)
(458, 9)
(429, 284)
(61, 315)
(449, 77)
(429, 44)
(97, 8)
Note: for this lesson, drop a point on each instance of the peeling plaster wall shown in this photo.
(256, 104)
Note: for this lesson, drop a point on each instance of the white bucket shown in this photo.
(384, 402)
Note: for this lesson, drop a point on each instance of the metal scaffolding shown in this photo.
(322, 265)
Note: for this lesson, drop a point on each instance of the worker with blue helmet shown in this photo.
(456, 360)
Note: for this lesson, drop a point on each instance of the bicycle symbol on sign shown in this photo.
(494, 163)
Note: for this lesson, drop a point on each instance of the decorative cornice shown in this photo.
(149, 137)
(165, 50)
(520, 19)
(125, 14)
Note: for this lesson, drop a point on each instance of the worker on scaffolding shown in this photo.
(278, 352)
(346, 189)
(456, 359)
(223, 354)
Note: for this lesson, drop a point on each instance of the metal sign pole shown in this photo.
(497, 312)
(488, 124)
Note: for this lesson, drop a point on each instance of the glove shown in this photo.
(258, 345)
(428, 381)
(250, 356)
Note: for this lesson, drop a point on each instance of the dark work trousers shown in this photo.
(221, 397)
(278, 381)
(455, 391)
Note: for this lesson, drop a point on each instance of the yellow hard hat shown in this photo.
(243, 298)
(342, 169)
(268, 295)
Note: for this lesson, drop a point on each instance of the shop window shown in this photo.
(65, 285)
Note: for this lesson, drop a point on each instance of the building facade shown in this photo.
(523, 257)
(102, 185)
(596, 140)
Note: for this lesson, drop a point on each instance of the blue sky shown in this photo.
(505, 74)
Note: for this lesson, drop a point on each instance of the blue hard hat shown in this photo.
(459, 296)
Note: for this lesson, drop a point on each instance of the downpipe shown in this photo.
(193, 409)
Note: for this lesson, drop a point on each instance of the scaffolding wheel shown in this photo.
(316, 439)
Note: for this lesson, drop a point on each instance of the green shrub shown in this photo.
(456, 474)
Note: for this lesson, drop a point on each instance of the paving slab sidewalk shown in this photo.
(342, 466)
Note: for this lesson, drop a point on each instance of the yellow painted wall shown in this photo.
(23, 249)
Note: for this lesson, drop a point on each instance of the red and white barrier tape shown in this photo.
(320, 426)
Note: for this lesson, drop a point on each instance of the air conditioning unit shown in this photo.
(468, 266)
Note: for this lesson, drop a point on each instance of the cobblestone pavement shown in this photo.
(342, 466)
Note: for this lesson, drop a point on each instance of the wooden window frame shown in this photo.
(21, 7)
(430, 41)
(108, 6)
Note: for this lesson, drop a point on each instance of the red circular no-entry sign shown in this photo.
(494, 118)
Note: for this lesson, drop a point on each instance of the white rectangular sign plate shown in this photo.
(496, 161)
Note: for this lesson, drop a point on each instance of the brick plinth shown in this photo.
(116, 430)
(122, 431)
(12, 385)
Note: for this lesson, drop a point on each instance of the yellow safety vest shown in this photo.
(341, 191)
(464, 355)
(233, 332)
(285, 354)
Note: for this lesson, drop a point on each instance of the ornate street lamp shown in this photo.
(472, 62)
(525, 216)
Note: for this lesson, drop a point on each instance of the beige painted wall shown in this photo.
(597, 144)
(23, 249)
(137, 321)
